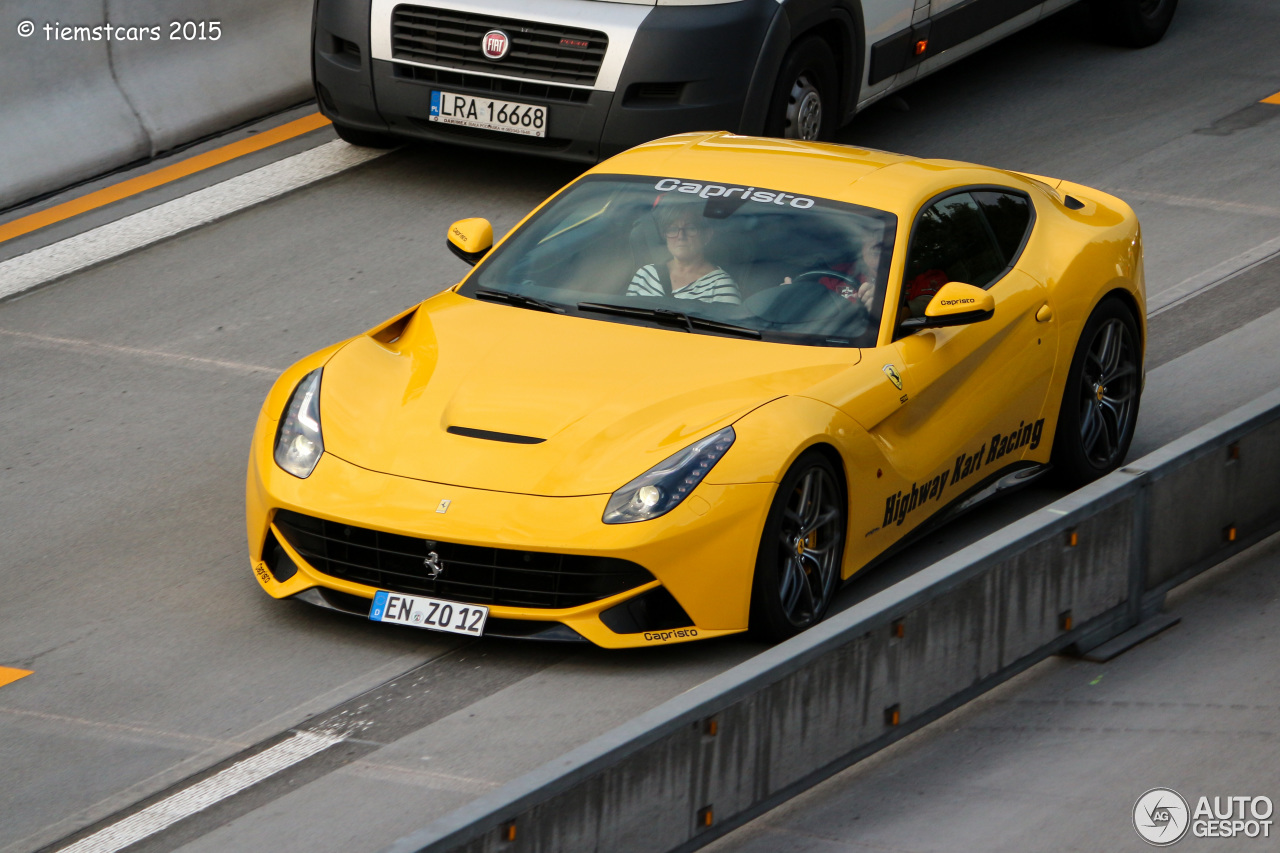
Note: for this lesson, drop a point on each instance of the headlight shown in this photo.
(299, 443)
(660, 489)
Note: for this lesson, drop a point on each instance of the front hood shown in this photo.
(605, 401)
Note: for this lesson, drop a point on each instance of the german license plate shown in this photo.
(431, 613)
(488, 114)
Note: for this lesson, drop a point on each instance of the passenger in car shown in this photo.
(856, 279)
(688, 275)
(920, 290)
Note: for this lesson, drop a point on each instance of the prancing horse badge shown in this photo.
(433, 565)
(892, 373)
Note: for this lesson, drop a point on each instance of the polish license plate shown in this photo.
(432, 613)
(488, 114)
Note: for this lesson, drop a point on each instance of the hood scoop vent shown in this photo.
(490, 435)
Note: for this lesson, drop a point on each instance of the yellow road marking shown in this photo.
(159, 177)
(9, 674)
(1274, 99)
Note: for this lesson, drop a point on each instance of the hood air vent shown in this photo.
(489, 435)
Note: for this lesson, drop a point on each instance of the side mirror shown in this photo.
(470, 239)
(955, 304)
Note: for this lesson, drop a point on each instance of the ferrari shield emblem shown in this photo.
(892, 373)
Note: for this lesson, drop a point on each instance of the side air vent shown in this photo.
(489, 435)
(390, 332)
(1071, 202)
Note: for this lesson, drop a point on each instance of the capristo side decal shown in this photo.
(901, 504)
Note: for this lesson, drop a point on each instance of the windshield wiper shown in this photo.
(519, 300)
(688, 322)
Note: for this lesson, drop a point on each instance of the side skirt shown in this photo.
(1007, 479)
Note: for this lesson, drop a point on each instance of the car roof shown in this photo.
(865, 176)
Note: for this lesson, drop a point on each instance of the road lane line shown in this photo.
(198, 762)
(152, 733)
(1201, 203)
(50, 263)
(179, 358)
(9, 674)
(1274, 99)
(200, 796)
(1212, 277)
(432, 779)
(165, 175)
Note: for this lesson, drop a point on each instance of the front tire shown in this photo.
(1133, 23)
(1100, 403)
(801, 550)
(804, 104)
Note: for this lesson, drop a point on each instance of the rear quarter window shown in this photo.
(1010, 218)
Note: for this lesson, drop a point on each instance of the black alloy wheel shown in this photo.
(1100, 403)
(1133, 23)
(804, 103)
(801, 550)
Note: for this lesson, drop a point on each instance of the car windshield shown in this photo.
(702, 257)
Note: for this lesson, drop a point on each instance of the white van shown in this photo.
(585, 79)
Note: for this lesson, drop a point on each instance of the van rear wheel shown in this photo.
(1133, 23)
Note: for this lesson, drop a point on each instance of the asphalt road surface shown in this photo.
(128, 392)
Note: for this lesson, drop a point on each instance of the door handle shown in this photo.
(1045, 314)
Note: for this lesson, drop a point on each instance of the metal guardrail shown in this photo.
(1087, 574)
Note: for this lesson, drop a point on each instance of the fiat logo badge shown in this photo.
(495, 44)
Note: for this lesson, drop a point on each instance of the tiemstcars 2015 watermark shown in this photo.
(1162, 817)
(171, 31)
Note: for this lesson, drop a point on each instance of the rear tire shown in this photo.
(801, 550)
(805, 103)
(366, 138)
(1100, 403)
(1133, 23)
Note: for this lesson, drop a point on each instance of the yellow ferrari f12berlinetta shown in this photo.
(697, 388)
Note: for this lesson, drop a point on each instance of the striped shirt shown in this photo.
(715, 286)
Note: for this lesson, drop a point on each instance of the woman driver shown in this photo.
(688, 275)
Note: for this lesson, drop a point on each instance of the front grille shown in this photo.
(472, 574)
(538, 51)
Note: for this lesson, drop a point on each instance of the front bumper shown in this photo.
(681, 68)
(702, 553)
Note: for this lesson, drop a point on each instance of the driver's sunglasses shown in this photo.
(689, 231)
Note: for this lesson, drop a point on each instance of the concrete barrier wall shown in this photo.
(1080, 573)
(1228, 483)
(71, 109)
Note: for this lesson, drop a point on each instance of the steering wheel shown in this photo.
(825, 273)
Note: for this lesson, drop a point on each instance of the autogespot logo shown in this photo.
(1161, 817)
